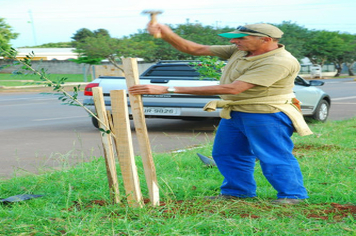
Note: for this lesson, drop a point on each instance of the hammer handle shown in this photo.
(153, 22)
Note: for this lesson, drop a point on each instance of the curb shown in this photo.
(41, 86)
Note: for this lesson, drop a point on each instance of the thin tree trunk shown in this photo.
(338, 68)
(350, 67)
(338, 71)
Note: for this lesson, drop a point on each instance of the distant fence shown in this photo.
(69, 67)
(305, 69)
(52, 67)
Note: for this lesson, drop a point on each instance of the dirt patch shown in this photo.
(331, 211)
(325, 147)
(78, 206)
(336, 212)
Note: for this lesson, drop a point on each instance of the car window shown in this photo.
(172, 70)
(300, 81)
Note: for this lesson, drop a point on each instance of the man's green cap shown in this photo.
(263, 30)
(232, 35)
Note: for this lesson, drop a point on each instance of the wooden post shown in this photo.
(107, 144)
(132, 78)
(124, 147)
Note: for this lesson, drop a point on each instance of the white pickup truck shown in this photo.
(315, 102)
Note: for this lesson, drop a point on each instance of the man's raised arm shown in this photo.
(178, 42)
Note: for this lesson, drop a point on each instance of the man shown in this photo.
(259, 116)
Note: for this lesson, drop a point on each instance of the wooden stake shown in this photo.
(107, 144)
(132, 78)
(124, 147)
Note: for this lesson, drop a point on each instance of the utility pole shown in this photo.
(33, 27)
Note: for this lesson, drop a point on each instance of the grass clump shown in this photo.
(76, 199)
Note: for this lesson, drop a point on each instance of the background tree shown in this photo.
(294, 38)
(348, 56)
(195, 32)
(6, 34)
(319, 46)
(101, 32)
(158, 49)
(99, 44)
(80, 38)
(135, 48)
(53, 45)
(140, 45)
(81, 35)
(100, 47)
(323, 46)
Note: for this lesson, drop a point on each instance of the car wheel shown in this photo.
(322, 111)
(95, 122)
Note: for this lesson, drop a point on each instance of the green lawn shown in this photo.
(31, 79)
(76, 198)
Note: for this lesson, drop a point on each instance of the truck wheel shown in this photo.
(322, 111)
(95, 122)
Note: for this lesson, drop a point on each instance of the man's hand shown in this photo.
(163, 30)
(178, 42)
(147, 89)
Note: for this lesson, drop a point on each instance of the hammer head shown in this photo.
(152, 12)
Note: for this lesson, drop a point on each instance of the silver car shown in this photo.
(315, 102)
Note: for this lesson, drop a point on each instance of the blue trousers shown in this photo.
(267, 137)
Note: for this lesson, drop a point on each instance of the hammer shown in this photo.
(153, 21)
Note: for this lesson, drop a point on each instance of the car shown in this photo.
(315, 103)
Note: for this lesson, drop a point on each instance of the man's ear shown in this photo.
(267, 39)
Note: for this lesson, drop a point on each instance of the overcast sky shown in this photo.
(44, 21)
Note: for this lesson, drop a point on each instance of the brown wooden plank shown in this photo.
(124, 147)
(106, 140)
(132, 78)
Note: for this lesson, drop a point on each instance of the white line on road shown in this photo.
(344, 103)
(23, 104)
(343, 98)
(61, 118)
(33, 98)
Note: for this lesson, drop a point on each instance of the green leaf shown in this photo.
(103, 131)
(209, 67)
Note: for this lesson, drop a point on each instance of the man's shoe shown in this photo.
(287, 201)
(222, 197)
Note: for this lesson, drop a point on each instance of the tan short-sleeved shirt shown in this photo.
(273, 73)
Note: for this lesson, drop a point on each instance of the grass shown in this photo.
(76, 199)
(31, 79)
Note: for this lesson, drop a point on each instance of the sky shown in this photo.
(43, 21)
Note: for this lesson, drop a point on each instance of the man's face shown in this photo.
(247, 43)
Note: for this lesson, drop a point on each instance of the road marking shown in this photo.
(34, 98)
(61, 118)
(23, 104)
(344, 103)
(343, 98)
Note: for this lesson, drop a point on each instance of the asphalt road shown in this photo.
(37, 133)
(343, 98)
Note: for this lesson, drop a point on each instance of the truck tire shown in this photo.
(95, 122)
(321, 112)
